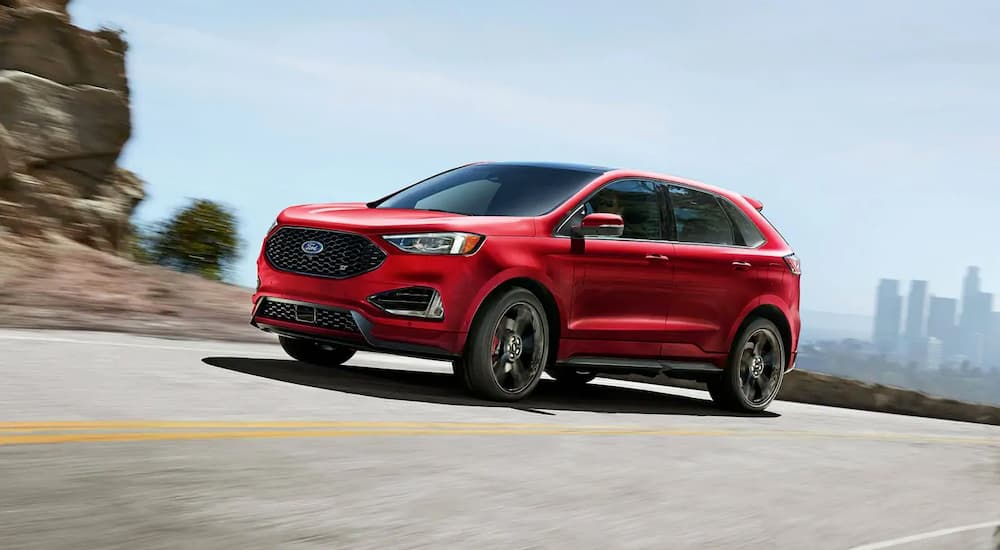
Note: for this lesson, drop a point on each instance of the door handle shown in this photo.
(741, 266)
(658, 257)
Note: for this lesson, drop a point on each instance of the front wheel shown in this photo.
(508, 347)
(755, 371)
(460, 372)
(315, 353)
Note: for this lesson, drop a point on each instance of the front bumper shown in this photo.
(360, 335)
(455, 279)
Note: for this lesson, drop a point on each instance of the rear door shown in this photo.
(718, 272)
(623, 284)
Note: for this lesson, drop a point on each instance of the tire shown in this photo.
(748, 384)
(316, 353)
(571, 377)
(508, 347)
(460, 372)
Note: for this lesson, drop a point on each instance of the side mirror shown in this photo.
(603, 225)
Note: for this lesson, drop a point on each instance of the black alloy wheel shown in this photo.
(508, 347)
(755, 371)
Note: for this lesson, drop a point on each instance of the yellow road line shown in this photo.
(268, 434)
(252, 430)
(166, 424)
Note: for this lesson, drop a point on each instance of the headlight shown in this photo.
(273, 225)
(436, 243)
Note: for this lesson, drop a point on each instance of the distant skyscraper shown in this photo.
(935, 353)
(974, 323)
(970, 285)
(982, 319)
(974, 320)
(941, 316)
(941, 323)
(888, 312)
(976, 333)
(916, 345)
(993, 348)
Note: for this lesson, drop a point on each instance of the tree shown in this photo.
(200, 238)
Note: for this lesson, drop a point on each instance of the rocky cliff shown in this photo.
(64, 119)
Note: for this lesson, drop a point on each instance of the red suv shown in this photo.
(509, 270)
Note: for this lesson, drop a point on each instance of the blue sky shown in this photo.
(870, 130)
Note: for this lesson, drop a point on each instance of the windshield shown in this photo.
(494, 190)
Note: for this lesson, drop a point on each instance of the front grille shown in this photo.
(341, 255)
(333, 319)
(404, 299)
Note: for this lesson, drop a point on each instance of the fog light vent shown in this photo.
(410, 302)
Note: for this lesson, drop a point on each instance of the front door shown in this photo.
(623, 284)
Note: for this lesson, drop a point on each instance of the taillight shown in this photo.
(792, 261)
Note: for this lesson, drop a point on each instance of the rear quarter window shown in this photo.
(747, 232)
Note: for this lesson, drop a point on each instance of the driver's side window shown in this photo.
(636, 201)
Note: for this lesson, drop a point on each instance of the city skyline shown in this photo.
(932, 329)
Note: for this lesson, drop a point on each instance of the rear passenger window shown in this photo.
(747, 232)
(699, 217)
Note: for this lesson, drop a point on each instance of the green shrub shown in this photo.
(199, 238)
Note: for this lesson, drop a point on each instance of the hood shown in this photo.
(358, 218)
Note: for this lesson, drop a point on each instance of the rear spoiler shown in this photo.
(759, 206)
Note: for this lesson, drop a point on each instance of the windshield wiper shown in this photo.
(441, 210)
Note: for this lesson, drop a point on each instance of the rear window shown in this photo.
(493, 190)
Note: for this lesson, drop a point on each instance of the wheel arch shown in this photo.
(774, 314)
(544, 295)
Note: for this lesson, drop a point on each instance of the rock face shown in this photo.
(64, 119)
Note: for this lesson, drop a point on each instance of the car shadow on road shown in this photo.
(445, 389)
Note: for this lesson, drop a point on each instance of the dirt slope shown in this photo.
(62, 284)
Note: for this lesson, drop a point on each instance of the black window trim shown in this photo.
(738, 232)
(665, 203)
(557, 232)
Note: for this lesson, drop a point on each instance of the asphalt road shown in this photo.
(114, 441)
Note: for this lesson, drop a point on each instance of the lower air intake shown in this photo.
(307, 314)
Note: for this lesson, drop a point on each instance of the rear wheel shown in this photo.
(508, 347)
(316, 353)
(755, 370)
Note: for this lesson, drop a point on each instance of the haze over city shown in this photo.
(915, 324)
(872, 141)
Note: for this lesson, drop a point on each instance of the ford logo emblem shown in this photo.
(312, 247)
